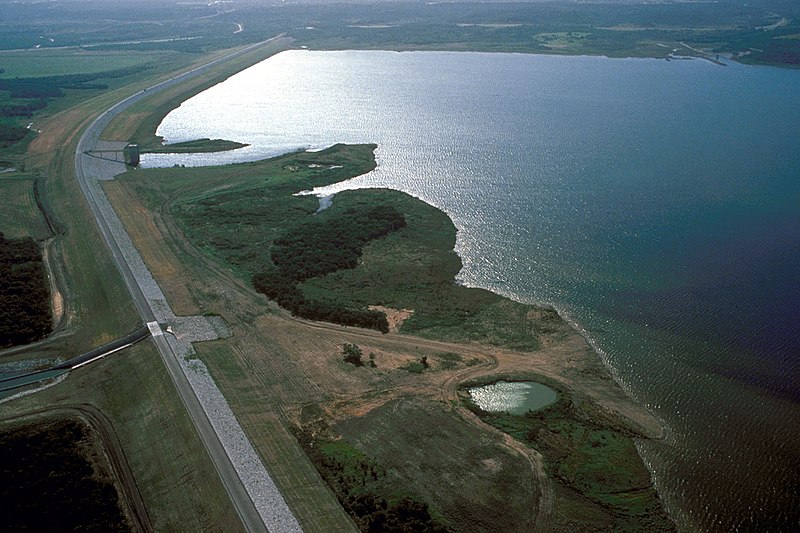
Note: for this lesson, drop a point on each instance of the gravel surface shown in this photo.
(199, 328)
(262, 490)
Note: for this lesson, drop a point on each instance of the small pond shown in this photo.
(517, 397)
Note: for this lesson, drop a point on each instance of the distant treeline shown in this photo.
(23, 110)
(24, 293)
(322, 246)
(51, 86)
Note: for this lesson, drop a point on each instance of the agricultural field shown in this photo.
(35, 84)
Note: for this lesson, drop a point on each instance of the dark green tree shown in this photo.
(352, 354)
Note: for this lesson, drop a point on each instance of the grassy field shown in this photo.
(42, 62)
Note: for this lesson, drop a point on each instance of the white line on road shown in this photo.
(101, 356)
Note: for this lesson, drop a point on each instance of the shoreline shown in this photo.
(654, 428)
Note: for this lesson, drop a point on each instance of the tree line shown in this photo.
(24, 292)
(320, 246)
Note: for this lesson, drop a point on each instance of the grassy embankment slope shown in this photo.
(219, 225)
(177, 481)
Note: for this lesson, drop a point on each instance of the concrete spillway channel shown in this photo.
(26, 378)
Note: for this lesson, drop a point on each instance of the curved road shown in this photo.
(87, 174)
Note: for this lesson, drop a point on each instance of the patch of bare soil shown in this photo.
(395, 317)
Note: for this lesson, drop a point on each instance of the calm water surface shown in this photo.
(655, 204)
(515, 397)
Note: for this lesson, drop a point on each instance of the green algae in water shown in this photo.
(516, 398)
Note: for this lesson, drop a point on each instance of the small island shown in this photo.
(198, 146)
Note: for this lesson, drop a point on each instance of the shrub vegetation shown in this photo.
(365, 490)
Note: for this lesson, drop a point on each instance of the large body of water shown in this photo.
(656, 204)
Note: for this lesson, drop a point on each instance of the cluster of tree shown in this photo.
(322, 246)
(286, 293)
(375, 515)
(11, 134)
(47, 483)
(319, 247)
(358, 487)
(53, 86)
(352, 354)
(24, 293)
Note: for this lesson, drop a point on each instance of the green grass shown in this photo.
(20, 216)
(193, 147)
(601, 481)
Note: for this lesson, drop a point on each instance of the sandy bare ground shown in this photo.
(395, 317)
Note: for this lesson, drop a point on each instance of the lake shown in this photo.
(656, 204)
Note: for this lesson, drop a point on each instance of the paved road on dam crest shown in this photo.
(255, 496)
